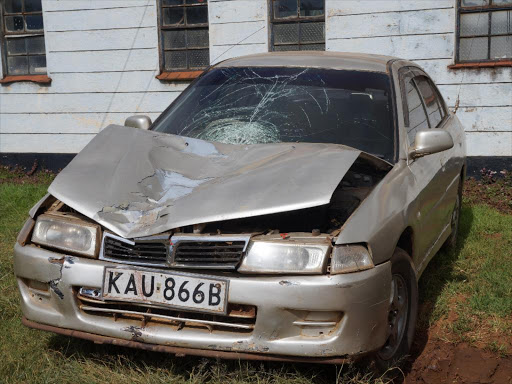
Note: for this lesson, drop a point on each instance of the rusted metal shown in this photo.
(173, 319)
(40, 79)
(482, 64)
(180, 352)
(243, 311)
(25, 232)
(180, 76)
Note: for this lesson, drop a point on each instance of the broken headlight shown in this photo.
(277, 257)
(350, 258)
(67, 235)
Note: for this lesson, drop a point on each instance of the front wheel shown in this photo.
(403, 309)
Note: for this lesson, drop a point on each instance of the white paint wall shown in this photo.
(103, 58)
(424, 31)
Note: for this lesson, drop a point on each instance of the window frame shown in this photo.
(490, 8)
(7, 35)
(293, 20)
(179, 73)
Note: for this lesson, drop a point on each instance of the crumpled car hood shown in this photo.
(139, 183)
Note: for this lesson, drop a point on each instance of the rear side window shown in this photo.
(417, 117)
(432, 104)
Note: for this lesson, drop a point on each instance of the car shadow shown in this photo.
(439, 272)
(198, 369)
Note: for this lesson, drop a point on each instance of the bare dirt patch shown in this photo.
(491, 189)
(442, 362)
(19, 175)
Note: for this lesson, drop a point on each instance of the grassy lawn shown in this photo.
(466, 295)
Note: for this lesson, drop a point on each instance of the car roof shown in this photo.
(312, 59)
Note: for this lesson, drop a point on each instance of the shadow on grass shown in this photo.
(439, 273)
(189, 368)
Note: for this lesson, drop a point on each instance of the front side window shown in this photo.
(184, 36)
(23, 48)
(286, 104)
(485, 30)
(432, 104)
(415, 116)
(298, 25)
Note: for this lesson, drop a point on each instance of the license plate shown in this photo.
(183, 291)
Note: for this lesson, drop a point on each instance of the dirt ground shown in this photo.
(435, 361)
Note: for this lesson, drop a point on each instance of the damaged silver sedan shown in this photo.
(282, 208)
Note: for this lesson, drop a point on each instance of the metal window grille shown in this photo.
(23, 47)
(184, 35)
(484, 30)
(298, 25)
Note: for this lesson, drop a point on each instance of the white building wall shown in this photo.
(424, 31)
(102, 56)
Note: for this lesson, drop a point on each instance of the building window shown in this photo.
(184, 40)
(484, 30)
(23, 50)
(298, 25)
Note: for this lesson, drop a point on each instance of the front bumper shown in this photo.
(282, 327)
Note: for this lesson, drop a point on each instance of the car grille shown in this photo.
(180, 251)
(208, 253)
(147, 252)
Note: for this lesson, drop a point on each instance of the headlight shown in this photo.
(67, 235)
(350, 258)
(278, 257)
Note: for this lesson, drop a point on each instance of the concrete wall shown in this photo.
(102, 56)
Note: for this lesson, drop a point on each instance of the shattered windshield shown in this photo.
(283, 104)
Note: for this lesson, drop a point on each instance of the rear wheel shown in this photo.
(403, 308)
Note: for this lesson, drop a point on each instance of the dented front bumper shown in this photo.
(298, 316)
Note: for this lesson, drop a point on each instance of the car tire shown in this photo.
(402, 313)
(451, 242)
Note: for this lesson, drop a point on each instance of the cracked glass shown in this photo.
(272, 105)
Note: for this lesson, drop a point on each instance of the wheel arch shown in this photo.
(406, 241)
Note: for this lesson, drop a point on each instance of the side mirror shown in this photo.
(431, 141)
(138, 121)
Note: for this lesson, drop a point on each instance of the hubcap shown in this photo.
(397, 317)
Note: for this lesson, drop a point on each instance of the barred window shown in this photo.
(484, 30)
(184, 39)
(23, 49)
(298, 25)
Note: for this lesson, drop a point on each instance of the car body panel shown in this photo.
(280, 300)
(140, 183)
(164, 181)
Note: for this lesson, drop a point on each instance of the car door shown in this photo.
(422, 112)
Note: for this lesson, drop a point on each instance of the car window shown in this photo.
(286, 104)
(416, 113)
(432, 104)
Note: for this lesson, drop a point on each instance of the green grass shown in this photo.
(472, 285)
(474, 281)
